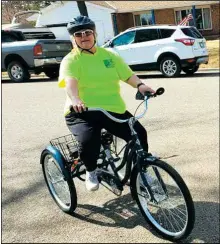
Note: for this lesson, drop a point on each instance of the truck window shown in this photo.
(11, 36)
(8, 38)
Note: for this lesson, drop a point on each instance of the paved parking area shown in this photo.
(183, 126)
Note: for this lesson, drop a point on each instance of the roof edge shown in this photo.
(111, 5)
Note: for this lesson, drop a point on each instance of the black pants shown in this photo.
(86, 127)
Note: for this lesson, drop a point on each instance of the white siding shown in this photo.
(67, 11)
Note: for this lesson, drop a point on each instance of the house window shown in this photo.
(181, 14)
(203, 17)
(143, 19)
(206, 18)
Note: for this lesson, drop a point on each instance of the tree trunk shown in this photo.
(82, 8)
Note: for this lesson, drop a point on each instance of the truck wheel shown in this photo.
(52, 73)
(190, 71)
(17, 72)
(170, 67)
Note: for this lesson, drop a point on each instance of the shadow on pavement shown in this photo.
(123, 212)
(20, 195)
(202, 74)
(35, 80)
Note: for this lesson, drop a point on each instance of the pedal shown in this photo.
(116, 191)
(114, 183)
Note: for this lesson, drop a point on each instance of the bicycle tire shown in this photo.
(67, 207)
(185, 193)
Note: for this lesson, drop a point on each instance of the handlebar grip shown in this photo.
(148, 94)
(139, 96)
(158, 92)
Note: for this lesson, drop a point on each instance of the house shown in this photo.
(58, 14)
(113, 17)
(136, 13)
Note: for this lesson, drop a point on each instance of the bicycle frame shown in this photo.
(133, 149)
(135, 139)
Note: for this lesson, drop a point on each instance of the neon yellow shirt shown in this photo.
(98, 78)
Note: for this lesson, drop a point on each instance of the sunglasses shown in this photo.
(81, 33)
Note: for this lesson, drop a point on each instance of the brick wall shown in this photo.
(124, 21)
(167, 16)
(164, 16)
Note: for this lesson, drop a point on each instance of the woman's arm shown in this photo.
(73, 93)
(134, 81)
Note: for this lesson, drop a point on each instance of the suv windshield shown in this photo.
(192, 32)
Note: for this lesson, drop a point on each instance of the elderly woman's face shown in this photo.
(84, 38)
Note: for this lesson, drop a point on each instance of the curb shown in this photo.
(158, 72)
(210, 69)
(32, 76)
(137, 72)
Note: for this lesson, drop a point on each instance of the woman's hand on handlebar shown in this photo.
(144, 88)
(78, 105)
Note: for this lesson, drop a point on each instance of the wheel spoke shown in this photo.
(58, 186)
(169, 214)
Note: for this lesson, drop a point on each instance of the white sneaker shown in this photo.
(92, 183)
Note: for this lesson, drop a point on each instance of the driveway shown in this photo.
(183, 128)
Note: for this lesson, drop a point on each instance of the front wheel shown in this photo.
(59, 183)
(170, 67)
(171, 213)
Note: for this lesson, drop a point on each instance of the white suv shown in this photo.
(167, 48)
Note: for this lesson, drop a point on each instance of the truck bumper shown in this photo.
(47, 61)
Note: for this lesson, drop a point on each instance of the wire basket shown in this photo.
(67, 145)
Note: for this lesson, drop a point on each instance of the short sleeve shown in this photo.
(123, 70)
(69, 67)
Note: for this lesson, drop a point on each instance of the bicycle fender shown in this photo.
(57, 156)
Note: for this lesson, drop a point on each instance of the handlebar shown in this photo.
(139, 96)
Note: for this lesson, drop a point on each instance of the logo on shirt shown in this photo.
(109, 63)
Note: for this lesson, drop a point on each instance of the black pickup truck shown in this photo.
(22, 55)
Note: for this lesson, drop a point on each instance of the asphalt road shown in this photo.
(183, 126)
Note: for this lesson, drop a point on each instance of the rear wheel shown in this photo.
(172, 214)
(170, 67)
(59, 183)
(190, 71)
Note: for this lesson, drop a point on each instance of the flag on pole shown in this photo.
(186, 19)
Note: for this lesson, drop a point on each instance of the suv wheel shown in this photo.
(190, 71)
(52, 73)
(17, 72)
(170, 67)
